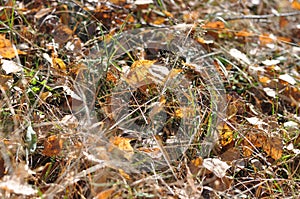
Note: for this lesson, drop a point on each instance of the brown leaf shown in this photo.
(62, 34)
(273, 148)
(52, 146)
(230, 155)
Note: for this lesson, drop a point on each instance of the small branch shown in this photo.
(263, 16)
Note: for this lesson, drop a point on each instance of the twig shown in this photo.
(287, 14)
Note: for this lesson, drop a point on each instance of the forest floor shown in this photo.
(150, 99)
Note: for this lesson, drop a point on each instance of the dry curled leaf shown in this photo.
(216, 166)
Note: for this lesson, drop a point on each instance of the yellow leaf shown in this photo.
(124, 145)
(159, 20)
(124, 174)
(226, 134)
(139, 73)
(59, 64)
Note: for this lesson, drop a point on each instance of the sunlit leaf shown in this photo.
(6, 48)
(287, 78)
(10, 66)
(214, 25)
(59, 64)
(296, 4)
(226, 134)
(124, 145)
(265, 39)
(270, 92)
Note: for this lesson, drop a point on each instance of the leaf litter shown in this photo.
(257, 154)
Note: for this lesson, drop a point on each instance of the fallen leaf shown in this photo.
(273, 147)
(159, 20)
(239, 56)
(226, 134)
(124, 174)
(243, 33)
(122, 144)
(10, 66)
(283, 22)
(14, 186)
(287, 78)
(62, 34)
(270, 92)
(6, 48)
(296, 4)
(265, 39)
(105, 194)
(59, 64)
(230, 155)
(214, 25)
(52, 146)
(139, 73)
(271, 62)
(216, 166)
(264, 80)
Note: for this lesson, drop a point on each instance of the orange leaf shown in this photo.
(6, 48)
(214, 25)
(52, 146)
(159, 20)
(243, 33)
(296, 4)
(168, 14)
(139, 73)
(105, 194)
(265, 39)
(284, 39)
(197, 162)
(264, 79)
(124, 174)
